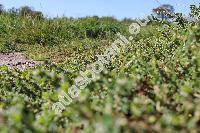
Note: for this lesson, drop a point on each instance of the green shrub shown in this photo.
(152, 86)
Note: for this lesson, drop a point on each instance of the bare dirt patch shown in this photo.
(17, 61)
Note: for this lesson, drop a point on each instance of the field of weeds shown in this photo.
(153, 84)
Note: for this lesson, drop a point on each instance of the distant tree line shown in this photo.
(1, 8)
(163, 12)
(24, 11)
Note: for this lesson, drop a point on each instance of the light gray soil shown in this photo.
(17, 61)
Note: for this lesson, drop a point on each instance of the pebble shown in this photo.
(17, 60)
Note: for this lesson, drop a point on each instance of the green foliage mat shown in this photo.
(152, 86)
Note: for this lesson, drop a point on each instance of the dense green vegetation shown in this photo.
(152, 86)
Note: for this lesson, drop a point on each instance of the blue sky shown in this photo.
(81, 8)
